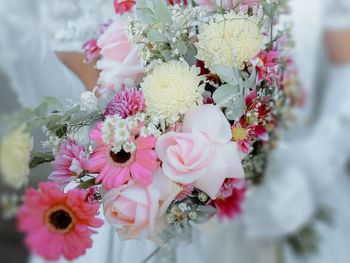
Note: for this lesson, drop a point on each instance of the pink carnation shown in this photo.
(127, 102)
(69, 163)
(230, 198)
(116, 169)
(57, 224)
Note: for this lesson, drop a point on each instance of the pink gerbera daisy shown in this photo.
(116, 169)
(57, 224)
(69, 163)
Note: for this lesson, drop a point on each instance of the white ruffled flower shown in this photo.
(171, 89)
(230, 40)
(15, 150)
(88, 101)
(115, 131)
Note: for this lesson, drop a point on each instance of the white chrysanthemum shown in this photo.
(229, 40)
(171, 89)
(15, 150)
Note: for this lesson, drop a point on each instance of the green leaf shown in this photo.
(72, 111)
(52, 101)
(250, 83)
(87, 184)
(42, 109)
(205, 213)
(235, 110)
(61, 131)
(53, 121)
(190, 55)
(40, 158)
(161, 11)
(154, 36)
(225, 94)
(144, 12)
(227, 74)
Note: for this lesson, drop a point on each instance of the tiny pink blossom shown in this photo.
(127, 102)
(70, 162)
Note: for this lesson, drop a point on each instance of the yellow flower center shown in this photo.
(239, 134)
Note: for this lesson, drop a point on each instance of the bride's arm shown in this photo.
(87, 73)
(338, 46)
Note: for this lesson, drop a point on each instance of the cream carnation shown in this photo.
(15, 150)
(171, 90)
(229, 40)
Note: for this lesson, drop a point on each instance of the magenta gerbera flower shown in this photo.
(127, 102)
(116, 169)
(57, 224)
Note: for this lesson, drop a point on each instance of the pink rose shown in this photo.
(120, 59)
(135, 209)
(203, 154)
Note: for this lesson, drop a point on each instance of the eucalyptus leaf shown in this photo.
(42, 109)
(190, 55)
(161, 11)
(52, 101)
(154, 36)
(225, 95)
(166, 53)
(144, 12)
(205, 213)
(235, 110)
(180, 46)
(226, 74)
(72, 111)
(250, 83)
(53, 121)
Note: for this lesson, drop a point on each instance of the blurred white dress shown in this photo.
(310, 166)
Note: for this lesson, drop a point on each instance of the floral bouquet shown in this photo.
(180, 123)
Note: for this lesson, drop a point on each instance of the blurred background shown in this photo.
(40, 55)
